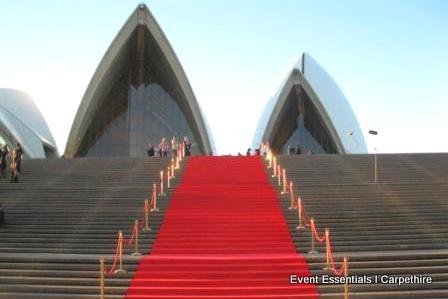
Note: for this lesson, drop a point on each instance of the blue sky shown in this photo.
(389, 58)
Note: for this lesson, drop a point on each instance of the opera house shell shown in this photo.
(138, 95)
(310, 113)
(21, 121)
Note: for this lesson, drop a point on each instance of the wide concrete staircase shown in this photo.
(64, 214)
(398, 226)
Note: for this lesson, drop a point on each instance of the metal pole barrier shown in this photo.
(291, 196)
(269, 155)
(168, 178)
(102, 270)
(146, 227)
(275, 168)
(154, 198)
(299, 210)
(279, 176)
(136, 238)
(346, 294)
(327, 250)
(172, 169)
(162, 193)
(120, 253)
(285, 182)
(313, 246)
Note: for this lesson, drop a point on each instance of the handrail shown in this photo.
(149, 206)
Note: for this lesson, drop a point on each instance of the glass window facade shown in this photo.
(301, 126)
(143, 105)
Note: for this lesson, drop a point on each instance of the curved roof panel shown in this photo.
(101, 79)
(22, 120)
(328, 99)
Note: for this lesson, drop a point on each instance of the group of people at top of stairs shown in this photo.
(164, 148)
(13, 159)
(261, 150)
(264, 147)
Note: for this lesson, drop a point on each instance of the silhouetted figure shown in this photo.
(19, 153)
(248, 152)
(3, 157)
(150, 150)
(257, 151)
(298, 149)
(187, 146)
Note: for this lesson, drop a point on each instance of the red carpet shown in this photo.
(224, 236)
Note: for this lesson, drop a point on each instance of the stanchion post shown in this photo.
(285, 182)
(299, 210)
(346, 293)
(120, 254)
(154, 198)
(168, 178)
(275, 167)
(162, 193)
(279, 176)
(102, 271)
(313, 245)
(136, 239)
(327, 250)
(269, 155)
(291, 196)
(146, 226)
(172, 168)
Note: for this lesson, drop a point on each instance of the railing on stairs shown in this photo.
(280, 175)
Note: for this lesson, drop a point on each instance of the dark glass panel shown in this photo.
(140, 107)
(301, 126)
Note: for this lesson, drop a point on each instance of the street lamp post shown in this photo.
(374, 133)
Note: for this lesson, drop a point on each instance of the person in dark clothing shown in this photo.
(187, 146)
(257, 151)
(150, 150)
(3, 157)
(19, 153)
(13, 168)
(248, 152)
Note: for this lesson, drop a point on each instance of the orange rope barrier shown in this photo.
(118, 251)
(315, 233)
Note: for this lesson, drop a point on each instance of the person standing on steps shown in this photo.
(3, 156)
(187, 146)
(174, 147)
(150, 150)
(19, 153)
(13, 168)
(163, 148)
